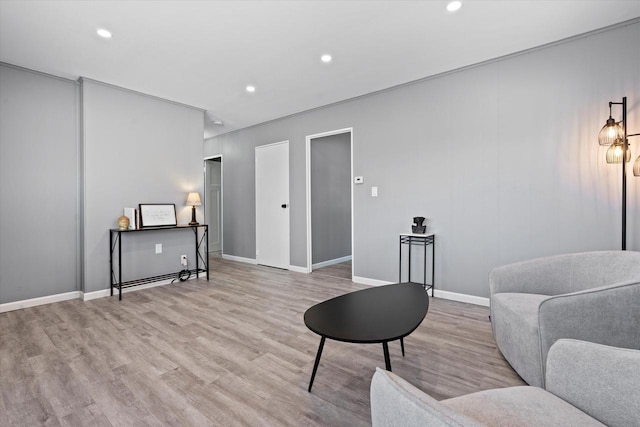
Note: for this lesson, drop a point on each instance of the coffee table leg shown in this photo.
(402, 345)
(387, 360)
(315, 365)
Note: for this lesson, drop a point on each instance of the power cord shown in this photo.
(183, 275)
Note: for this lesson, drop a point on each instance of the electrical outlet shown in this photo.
(183, 260)
(158, 248)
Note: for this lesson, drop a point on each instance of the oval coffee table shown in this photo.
(374, 315)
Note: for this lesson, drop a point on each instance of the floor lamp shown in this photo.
(614, 134)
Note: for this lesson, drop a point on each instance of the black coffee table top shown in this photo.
(373, 315)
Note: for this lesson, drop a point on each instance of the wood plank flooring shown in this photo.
(230, 352)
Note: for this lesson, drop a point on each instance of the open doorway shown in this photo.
(213, 203)
(330, 203)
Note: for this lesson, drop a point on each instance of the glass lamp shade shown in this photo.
(193, 199)
(610, 132)
(636, 167)
(614, 153)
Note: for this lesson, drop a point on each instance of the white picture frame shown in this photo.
(157, 214)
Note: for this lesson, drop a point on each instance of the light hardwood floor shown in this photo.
(232, 351)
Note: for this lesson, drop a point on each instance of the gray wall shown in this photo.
(330, 197)
(138, 149)
(212, 146)
(38, 185)
(65, 180)
(502, 158)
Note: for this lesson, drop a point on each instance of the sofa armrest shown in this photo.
(544, 276)
(600, 380)
(608, 315)
(395, 402)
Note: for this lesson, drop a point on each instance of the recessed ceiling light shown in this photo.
(104, 33)
(251, 89)
(452, 6)
(325, 58)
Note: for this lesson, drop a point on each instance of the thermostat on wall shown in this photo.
(358, 180)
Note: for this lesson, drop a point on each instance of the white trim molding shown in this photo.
(331, 262)
(217, 156)
(240, 259)
(88, 296)
(452, 296)
(84, 296)
(469, 299)
(33, 302)
(371, 282)
(298, 269)
(308, 139)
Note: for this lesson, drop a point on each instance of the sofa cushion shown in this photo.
(516, 332)
(519, 406)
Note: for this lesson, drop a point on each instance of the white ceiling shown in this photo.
(204, 53)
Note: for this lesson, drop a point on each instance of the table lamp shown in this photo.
(193, 199)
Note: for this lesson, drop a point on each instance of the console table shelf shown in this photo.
(201, 242)
(158, 278)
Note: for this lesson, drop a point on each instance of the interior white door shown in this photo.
(272, 205)
(214, 204)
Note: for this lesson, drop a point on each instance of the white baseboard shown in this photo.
(370, 282)
(88, 296)
(240, 259)
(453, 296)
(84, 296)
(17, 305)
(331, 262)
(299, 269)
(469, 299)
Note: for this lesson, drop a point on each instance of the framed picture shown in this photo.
(157, 214)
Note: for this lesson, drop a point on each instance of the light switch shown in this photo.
(374, 191)
(358, 180)
(158, 248)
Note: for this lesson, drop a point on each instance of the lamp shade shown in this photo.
(636, 167)
(614, 153)
(610, 132)
(193, 199)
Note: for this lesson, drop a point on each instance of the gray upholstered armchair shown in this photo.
(591, 296)
(587, 385)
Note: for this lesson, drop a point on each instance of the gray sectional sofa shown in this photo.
(587, 385)
(591, 296)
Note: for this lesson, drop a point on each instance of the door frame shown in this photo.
(308, 183)
(207, 205)
(288, 263)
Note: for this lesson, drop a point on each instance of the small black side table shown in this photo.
(423, 240)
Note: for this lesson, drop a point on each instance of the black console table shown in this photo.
(201, 246)
(423, 240)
